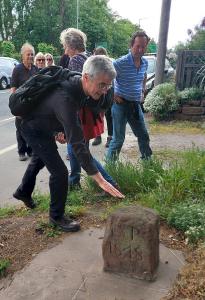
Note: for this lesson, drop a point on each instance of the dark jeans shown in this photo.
(108, 116)
(74, 177)
(131, 113)
(23, 147)
(45, 153)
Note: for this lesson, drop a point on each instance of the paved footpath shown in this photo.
(73, 270)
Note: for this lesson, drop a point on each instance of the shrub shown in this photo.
(162, 101)
(46, 48)
(189, 218)
(7, 48)
(188, 94)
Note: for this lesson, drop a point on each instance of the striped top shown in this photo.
(129, 80)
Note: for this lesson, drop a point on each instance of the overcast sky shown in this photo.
(184, 14)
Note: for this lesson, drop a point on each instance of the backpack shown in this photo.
(29, 95)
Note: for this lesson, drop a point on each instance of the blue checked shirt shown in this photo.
(129, 81)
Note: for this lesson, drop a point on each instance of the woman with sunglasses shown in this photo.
(49, 60)
(40, 61)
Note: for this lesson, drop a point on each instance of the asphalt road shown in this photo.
(11, 169)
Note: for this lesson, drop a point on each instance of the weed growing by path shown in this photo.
(4, 264)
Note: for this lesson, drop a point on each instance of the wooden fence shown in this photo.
(188, 63)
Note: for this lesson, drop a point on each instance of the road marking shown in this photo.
(7, 149)
(2, 92)
(5, 120)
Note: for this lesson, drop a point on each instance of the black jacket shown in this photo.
(59, 112)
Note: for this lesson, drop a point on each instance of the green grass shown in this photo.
(4, 264)
(164, 184)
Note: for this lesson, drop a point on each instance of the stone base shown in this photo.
(131, 242)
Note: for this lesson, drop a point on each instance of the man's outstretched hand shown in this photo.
(106, 186)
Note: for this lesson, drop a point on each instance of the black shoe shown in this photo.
(109, 138)
(97, 140)
(22, 157)
(28, 201)
(65, 224)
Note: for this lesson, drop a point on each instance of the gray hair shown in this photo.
(99, 64)
(74, 38)
(38, 55)
(27, 46)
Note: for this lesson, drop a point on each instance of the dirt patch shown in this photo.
(191, 279)
(22, 238)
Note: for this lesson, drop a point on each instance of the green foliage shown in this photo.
(6, 211)
(196, 39)
(45, 48)
(189, 218)
(174, 187)
(42, 21)
(4, 264)
(42, 201)
(7, 19)
(162, 100)
(199, 79)
(75, 204)
(7, 48)
(48, 229)
(188, 94)
(169, 189)
(122, 31)
(139, 178)
(152, 47)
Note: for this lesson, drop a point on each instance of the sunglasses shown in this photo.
(41, 59)
(49, 59)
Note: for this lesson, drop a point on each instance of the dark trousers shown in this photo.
(45, 153)
(23, 147)
(108, 116)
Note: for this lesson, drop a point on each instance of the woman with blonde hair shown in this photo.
(74, 42)
(40, 61)
(49, 60)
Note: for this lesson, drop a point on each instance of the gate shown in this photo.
(188, 63)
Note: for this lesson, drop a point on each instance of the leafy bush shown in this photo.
(7, 48)
(188, 94)
(162, 101)
(189, 218)
(46, 48)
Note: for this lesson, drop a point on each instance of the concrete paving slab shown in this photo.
(73, 270)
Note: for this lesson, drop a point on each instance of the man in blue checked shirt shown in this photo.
(129, 89)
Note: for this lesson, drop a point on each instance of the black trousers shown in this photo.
(45, 153)
(108, 116)
(23, 147)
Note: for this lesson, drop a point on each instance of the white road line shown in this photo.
(7, 149)
(2, 92)
(5, 120)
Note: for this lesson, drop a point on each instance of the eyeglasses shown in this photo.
(41, 59)
(104, 86)
(49, 59)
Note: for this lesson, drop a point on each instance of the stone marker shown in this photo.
(131, 242)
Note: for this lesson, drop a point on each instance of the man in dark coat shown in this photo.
(59, 110)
